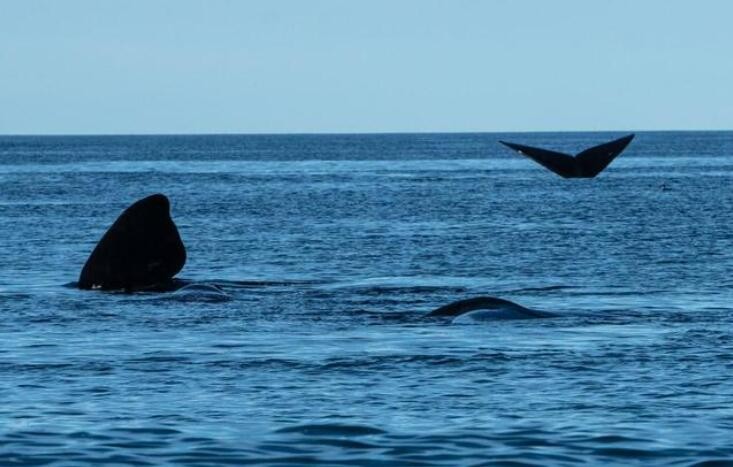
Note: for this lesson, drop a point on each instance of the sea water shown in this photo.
(329, 250)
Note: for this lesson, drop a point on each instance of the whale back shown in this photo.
(141, 249)
(469, 305)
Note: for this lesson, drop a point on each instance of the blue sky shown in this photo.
(181, 66)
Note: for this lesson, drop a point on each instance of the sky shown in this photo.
(340, 66)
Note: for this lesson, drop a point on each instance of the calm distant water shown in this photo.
(331, 249)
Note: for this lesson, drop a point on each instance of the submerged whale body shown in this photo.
(586, 164)
(483, 308)
(142, 250)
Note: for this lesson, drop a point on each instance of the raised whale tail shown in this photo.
(586, 164)
(140, 250)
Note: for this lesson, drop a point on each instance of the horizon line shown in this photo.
(365, 133)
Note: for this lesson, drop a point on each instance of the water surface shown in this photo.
(331, 249)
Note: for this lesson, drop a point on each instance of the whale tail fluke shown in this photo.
(562, 164)
(586, 164)
(140, 250)
(595, 159)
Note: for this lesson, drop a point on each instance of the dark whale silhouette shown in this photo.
(498, 307)
(142, 250)
(586, 164)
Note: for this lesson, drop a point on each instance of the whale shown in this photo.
(586, 164)
(485, 308)
(142, 250)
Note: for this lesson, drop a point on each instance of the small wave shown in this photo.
(407, 289)
(156, 431)
(381, 362)
(722, 462)
(200, 292)
(549, 288)
(159, 358)
(337, 443)
(332, 429)
(238, 284)
(405, 284)
(14, 296)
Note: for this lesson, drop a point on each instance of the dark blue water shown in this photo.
(330, 249)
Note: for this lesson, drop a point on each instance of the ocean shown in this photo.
(330, 250)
